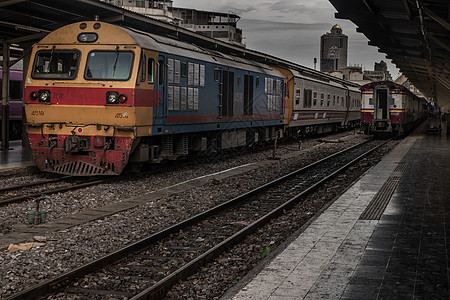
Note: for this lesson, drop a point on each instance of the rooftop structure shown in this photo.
(222, 26)
(157, 9)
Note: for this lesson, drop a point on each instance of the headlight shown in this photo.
(44, 96)
(87, 37)
(112, 97)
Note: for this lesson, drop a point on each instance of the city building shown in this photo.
(379, 73)
(222, 26)
(333, 50)
(157, 9)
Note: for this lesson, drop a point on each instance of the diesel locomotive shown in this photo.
(99, 96)
(390, 109)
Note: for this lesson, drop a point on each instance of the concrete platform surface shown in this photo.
(350, 253)
(17, 156)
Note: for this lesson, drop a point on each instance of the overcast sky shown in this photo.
(292, 29)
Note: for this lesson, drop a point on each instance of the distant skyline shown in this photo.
(291, 29)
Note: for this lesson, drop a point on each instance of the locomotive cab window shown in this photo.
(109, 65)
(56, 64)
(143, 68)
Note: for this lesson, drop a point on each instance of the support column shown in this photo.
(5, 97)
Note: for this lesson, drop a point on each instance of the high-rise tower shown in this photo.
(333, 50)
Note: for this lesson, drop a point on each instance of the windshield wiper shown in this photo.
(51, 57)
(115, 60)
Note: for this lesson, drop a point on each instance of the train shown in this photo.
(100, 97)
(390, 109)
(15, 103)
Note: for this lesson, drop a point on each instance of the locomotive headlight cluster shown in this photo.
(42, 95)
(113, 97)
(87, 37)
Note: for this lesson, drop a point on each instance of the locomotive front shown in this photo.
(80, 99)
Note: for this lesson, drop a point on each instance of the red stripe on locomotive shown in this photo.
(95, 96)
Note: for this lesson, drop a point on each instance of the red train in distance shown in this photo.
(390, 108)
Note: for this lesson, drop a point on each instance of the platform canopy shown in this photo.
(414, 34)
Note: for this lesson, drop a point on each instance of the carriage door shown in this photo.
(381, 109)
(161, 109)
(227, 93)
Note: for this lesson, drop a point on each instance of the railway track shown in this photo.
(147, 268)
(26, 191)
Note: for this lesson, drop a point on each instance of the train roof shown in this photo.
(109, 34)
(391, 85)
(176, 47)
(327, 81)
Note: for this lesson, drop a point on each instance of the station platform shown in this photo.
(384, 238)
(17, 157)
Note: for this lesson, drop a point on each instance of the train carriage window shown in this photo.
(321, 99)
(297, 98)
(337, 101)
(334, 100)
(307, 95)
(183, 69)
(151, 71)
(56, 64)
(216, 75)
(257, 81)
(143, 68)
(315, 99)
(309, 98)
(109, 65)
(328, 100)
(15, 91)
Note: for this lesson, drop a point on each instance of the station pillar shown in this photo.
(5, 97)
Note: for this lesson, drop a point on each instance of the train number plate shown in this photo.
(39, 113)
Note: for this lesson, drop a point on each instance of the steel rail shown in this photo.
(52, 285)
(159, 289)
(51, 191)
(16, 187)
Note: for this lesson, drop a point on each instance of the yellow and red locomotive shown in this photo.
(99, 95)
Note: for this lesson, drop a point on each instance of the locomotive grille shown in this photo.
(79, 168)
